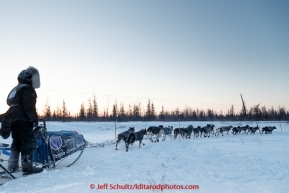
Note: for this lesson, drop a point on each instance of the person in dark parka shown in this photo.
(20, 119)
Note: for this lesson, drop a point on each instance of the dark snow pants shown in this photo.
(23, 141)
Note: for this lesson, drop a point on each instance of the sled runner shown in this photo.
(51, 148)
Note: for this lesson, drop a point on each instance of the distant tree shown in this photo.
(281, 113)
(273, 114)
(162, 114)
(130, 113)
(250, 114)
(153, 112)
(106, 114)
(186, 114)
(264, 113)
(177, 114)
(58, 113)
(104, 118)
(232, 113)
(148, 111)
(82, 113)
(221, 116)
(69, 116)
(257, 113)
(136, 112)
(194, 115)
(47, 112)
(150, 114)
(202, 115)
(95, 109)
(64, 112)
(121, 115)
(54, 116)
(210, 115)
(114, 111)
(198, 114)
(243, 112)
(89, 111)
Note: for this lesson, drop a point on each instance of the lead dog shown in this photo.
(268, 130)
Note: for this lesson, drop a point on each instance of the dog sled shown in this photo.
(51, 148)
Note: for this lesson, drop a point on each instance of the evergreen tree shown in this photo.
(257, 113)
(162, 114)
(47, 111)
(282, 113)
(186, 114)
(243, 113)
(89, 112)
(136, 112)
(82, 113)
(64, 112)
(130, 113)
(58, 113)
(121, 115)
(232, 112)
(210, 114)
(194, 116)
(177, 114)
(95, 109)
(114, 111)
(202, 115)
(54, 115)
(264, 113)
(153, 112)
(148, 112)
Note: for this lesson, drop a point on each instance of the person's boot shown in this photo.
(28, 143)
(27, 166)
(27, 169)
(13, 162)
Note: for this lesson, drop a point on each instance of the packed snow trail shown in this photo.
(242, 163)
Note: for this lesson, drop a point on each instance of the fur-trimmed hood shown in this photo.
(30, 76)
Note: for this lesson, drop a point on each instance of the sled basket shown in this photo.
(53, 146)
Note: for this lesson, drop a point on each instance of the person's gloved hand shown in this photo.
(5, 132)
(5, 135)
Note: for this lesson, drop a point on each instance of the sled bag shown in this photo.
(60, 145)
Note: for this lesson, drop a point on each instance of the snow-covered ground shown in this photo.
(242, 163)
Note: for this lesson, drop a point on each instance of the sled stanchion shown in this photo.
(44, 131)
(53, 158)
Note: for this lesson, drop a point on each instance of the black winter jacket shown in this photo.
(22, 98)
(22, 101)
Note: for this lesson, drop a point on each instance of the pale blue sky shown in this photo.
(200, 54)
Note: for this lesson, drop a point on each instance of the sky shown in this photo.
(178, 54)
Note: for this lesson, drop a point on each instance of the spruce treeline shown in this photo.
(134, 112)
